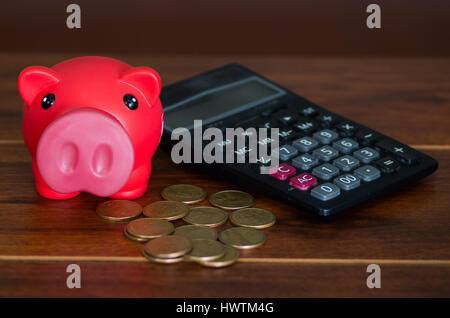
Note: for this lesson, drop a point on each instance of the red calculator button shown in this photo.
(303, 181)
(283, 171)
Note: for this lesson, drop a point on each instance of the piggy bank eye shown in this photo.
(130, 101)
(48, 101)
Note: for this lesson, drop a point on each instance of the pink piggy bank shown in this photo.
(91, 124)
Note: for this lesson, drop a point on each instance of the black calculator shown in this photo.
(327, 163)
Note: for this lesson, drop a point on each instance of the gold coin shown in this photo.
(134, 238)
(205, 250)
(146, 228)
(253, 217)
(231, 199)
(163, 260)
(230, 257)
(171, 246)
(242, 237)
(119, 210)
(185, 193)
(166, 210)
(206, 216)
(196, 232)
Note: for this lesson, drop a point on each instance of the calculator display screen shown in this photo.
(220, 102)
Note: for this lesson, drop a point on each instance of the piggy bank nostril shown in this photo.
(68, 158)
(85, 150)
(102, 160)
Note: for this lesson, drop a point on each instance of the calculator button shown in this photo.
(262, 164)
(283, 171)
(286, 119)
(286, 152)
(305, 144)
(347, 182)
(326, 191)
(266, 124)
(326, 120)
(346, 145)
(325, 171)
(287, 134)
(264, 160)
(388, 165)
(326, 136)
(346, 163)
(402, 152)
(242, 153)
(266, 113)
(367, 173)
(366, 137)
(247, 133)
(366, 155)
(307, 111)
(346, 129)
(305, 162)
(265, 141)
(223, 143)
(303, 181)
(306, 126)
(325, 153)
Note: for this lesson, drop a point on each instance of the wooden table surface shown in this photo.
(407, 233)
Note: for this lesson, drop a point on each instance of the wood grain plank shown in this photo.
(303, 261)
(240, 280)
(409, 224)
(408, 99)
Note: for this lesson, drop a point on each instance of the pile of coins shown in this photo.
(197, 240)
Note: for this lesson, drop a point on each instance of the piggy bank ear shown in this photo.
(34, 79)
(145, 80)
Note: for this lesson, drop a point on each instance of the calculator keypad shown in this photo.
(323, 156)
(346, 145)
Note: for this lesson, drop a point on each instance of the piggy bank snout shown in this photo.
(85, 150)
